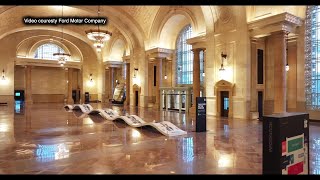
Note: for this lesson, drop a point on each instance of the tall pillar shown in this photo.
(28, 85)
(106, 84)
(204, 69)
(127, 102)
(158, 62)
(279, 49)
(70, 78)
(196, 78)
(111, 77)
(254, 75)
(150, 81)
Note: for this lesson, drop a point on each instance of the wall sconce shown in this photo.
(223, 57)
(203, 73)
(135, 78)
(90, 82)
(222, 70)
(4, 80)
(135, 73)
(3, 76)
(165, 69)
(287, 65)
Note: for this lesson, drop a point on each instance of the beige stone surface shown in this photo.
(138, 29)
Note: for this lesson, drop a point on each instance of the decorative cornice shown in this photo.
(197, 39)
(159, 53)
(115, 64)
(280, 22)
(46, 63)
(126, 59)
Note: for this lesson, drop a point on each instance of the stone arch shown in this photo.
(115, 49)
(220, 86)
(124, 23)
(26, 48)
(164, 21)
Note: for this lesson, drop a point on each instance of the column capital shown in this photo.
(277, 23)
(196, 50)
(280, 33)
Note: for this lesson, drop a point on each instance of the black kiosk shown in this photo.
(201, 120)
(286, 143)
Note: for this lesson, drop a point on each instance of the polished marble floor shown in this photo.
(45, 139)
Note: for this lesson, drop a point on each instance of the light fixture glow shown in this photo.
(98, 36)
(287, 65)
(203, 73)
(223, 58)
(3, 76)
(90, 82)
(4, 79)
(135, 73)
(221, 68)
(165, 68)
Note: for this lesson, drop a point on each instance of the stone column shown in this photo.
(279, 50)
(254, 75)
(204, 69)
(81, 86)
(196, 78)
(158, 63)
(28, 85)
(70, 78)
(127, 102)
(106, 84)
(111, 77)
(292, 76)
(150, 82)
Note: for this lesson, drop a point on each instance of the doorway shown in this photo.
(260, 104)
(224, 103)
(136, 94)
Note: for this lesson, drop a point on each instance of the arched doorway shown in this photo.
(136, 95)
(224, 93)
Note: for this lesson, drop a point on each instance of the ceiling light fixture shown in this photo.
(62, 56)
(98, 36)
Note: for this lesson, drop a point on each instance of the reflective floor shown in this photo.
(45, 139)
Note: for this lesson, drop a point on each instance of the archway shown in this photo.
(136, 95)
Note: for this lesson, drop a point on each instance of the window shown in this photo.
(46, 51)
(184, 68)
(312, 71)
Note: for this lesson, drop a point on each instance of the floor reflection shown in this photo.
(46, 139)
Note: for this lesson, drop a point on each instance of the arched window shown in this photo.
(184, 56)
(312, 52)
(46, 51)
